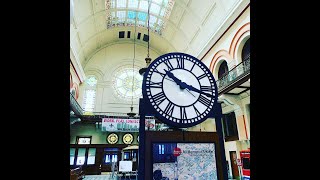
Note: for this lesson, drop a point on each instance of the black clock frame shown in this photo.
(213, 101)
(146, 109)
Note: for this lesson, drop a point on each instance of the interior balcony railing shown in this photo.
(92, 116)
(75, 107)
(239, 73)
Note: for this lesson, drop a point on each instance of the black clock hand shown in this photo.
(196, 90)
(183, 85)
(171, 75)
(186, 89)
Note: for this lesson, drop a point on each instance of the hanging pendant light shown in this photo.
(147, 59)
(131, 113)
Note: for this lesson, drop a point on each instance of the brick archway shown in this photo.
(76, 87)
(221, 53)
(235, 41)
(71, 81)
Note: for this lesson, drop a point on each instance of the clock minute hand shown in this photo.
(181, 83)
(197, 90)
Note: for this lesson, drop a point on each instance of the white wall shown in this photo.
(104, 63)
(238, 104)
(226, 40)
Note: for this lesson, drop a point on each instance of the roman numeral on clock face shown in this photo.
(202, 76)
(183, 113)
(159, 98)
(207, 89)
(192, 66)
(180, 63)
(169, 65)
(196, 110)
(155, 85)
(156, 71)
(204, 100)
(169, 109)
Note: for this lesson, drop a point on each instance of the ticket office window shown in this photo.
(110, 155)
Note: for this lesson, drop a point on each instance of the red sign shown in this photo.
(176, 151)
(245, 155)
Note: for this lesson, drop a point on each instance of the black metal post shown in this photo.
(218, 118)
(142, 141)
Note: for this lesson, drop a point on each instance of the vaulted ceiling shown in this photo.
(189, 28)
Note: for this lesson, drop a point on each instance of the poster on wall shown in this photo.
(184, 161)
(125, 166)
(127, 125)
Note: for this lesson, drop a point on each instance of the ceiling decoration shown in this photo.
(188, 26)
(126, 12)
(127, 84)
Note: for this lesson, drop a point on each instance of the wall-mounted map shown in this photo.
(195, 161)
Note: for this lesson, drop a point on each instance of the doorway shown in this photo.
(234, 166)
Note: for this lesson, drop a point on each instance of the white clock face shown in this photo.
(84, 141)
(180, 88)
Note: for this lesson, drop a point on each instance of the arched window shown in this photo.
(71, 81)
(73, 91)
(90, 94)
(222, 69)
(245, 54)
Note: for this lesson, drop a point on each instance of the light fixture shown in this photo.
(147, 59)
(131, 113)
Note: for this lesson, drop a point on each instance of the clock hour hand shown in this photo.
(171, 75)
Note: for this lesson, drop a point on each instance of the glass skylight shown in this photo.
(129, 12)
(155, 8)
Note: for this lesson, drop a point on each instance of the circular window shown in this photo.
(127, 138)
(127, 83)
(112, 138)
